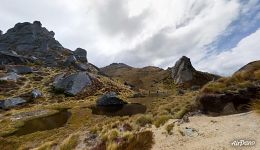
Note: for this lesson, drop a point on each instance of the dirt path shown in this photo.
(210, 133)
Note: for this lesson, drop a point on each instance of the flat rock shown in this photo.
(11, 102)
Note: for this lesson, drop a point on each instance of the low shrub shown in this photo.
(169, 128)
(70, 143)
(161, 120)
(143, 120)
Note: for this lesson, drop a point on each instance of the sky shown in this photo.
(219, 36)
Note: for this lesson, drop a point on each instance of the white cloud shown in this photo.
(225, 63)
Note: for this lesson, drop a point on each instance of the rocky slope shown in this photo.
(31, 43)
(139, 79)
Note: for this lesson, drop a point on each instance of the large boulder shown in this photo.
(12, 102)
(183, 73)
(20, 69)
(81, 55)
(72, 84)
(183, 70)
(110, 99)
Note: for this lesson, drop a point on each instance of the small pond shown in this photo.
(44, 123)
(123, 110)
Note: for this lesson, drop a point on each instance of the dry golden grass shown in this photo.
(161, 120)
(70, 143)
(169, 128)
(256, 106)
(144, 120)
(239, 80)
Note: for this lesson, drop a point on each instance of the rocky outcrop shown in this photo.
(184, 73)
(11, 102)
(25, 37)
(20, 69)
(110, 99)
(183, 70)
(30, 42)
(81, 55)
(228, 103)
(13, 59)
(78, 60)
(72, 84)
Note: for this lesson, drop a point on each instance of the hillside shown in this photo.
(53, 98)
(147, 78)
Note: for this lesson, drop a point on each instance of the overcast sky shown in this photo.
(219, 36)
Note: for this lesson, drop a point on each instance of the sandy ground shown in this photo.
(210, 133)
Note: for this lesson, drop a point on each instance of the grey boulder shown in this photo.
(11, 102)
(71, 60)
(110, 99)
(72, 84)
(81, 55)
(183, 70)
(20, 69)
(36, 93)
(11, 76)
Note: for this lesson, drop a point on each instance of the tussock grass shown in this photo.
(169, 128)
(70, 143)
(256, 106)
(144, 120)
(240, 80)
(161, 120)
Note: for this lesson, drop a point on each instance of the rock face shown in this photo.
(26, 37)
(184, 73)
(183, 70)
(72, 84)
(11, 102)
(20, 69)
(110, 99)
(30, 42)
(228, 103)
(13, 59)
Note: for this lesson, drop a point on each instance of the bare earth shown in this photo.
(210, 133)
